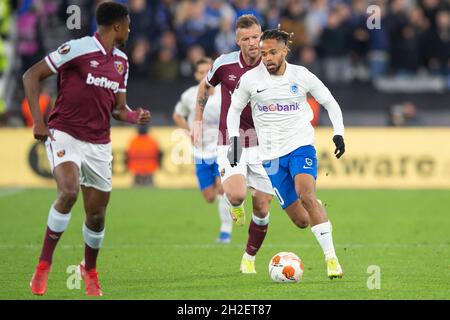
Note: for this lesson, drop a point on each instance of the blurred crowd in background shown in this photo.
(330, 37)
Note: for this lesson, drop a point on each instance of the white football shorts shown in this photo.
(94, 161)
(250, 167)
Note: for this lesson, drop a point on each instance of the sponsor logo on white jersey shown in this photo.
(103, 82)
(279, 107)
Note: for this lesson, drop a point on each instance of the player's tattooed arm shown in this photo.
(202, 99)
(122, 112)
(31, 83)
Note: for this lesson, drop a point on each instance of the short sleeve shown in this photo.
(124, 82)
(213, 76)
(62, 58)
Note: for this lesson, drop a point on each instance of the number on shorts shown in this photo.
(278, 196)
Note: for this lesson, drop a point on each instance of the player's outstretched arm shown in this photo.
(122, 112)
(31, 82)
(323, 96)
(200, 103)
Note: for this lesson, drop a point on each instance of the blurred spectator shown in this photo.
(405, 40)
(194, 54)
(316, 19)
(246, 7)
(293, 20)
(191, 25)
(142, 26)
(29, 35)
(140, 57)
(143, 157)
(166, 66)
(307, 57)
(403, 115)
(226, 39)
(334, 47)
(164, 15)
(430, 8)
(379, 46)
(438, 45)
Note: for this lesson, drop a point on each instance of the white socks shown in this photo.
(261, 221)
(249, 257)
(323, 235)
(93, 239)
(58, 222)
(224, 214)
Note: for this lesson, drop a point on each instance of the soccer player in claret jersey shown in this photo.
(92, 80)
(277, 93)
(227, 70)
(206, 168)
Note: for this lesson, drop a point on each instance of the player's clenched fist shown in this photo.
(139, 116)
(340, 145)
(41, 132)
(143, 116)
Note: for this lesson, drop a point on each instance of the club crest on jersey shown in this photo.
(64, 49)
(119, 67)
(61, 153)
(308, 161)
(294, 88)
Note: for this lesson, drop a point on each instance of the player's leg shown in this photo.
(64, 162)
(96, 184)
(208, 178)
(95, 203)
(298, 214)
(262, 194)
(226, 222)
(303, 167)
(234, 184)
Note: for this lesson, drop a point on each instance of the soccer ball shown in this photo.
(285, 267)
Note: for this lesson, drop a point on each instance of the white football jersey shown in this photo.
(211, 114)
(280, 110)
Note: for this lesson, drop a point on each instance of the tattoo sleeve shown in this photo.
(203, 100)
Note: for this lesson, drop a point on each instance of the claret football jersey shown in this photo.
(88, 80)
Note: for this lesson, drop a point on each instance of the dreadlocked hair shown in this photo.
(279, 35)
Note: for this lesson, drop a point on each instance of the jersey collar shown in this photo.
(99, 44)
(242, 63)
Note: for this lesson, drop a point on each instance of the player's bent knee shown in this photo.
(301, 224)
(68, 196)
(96, 221)
(308, 200)
(236, 198)
(260, 209)
(209, 195)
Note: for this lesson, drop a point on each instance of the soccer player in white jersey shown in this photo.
(226, 71)
(206, 168)
(277, 93)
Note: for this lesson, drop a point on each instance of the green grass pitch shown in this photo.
(160, 244)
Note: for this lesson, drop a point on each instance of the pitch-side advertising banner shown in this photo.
(374, 158)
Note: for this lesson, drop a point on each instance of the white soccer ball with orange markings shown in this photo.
(285, 267)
